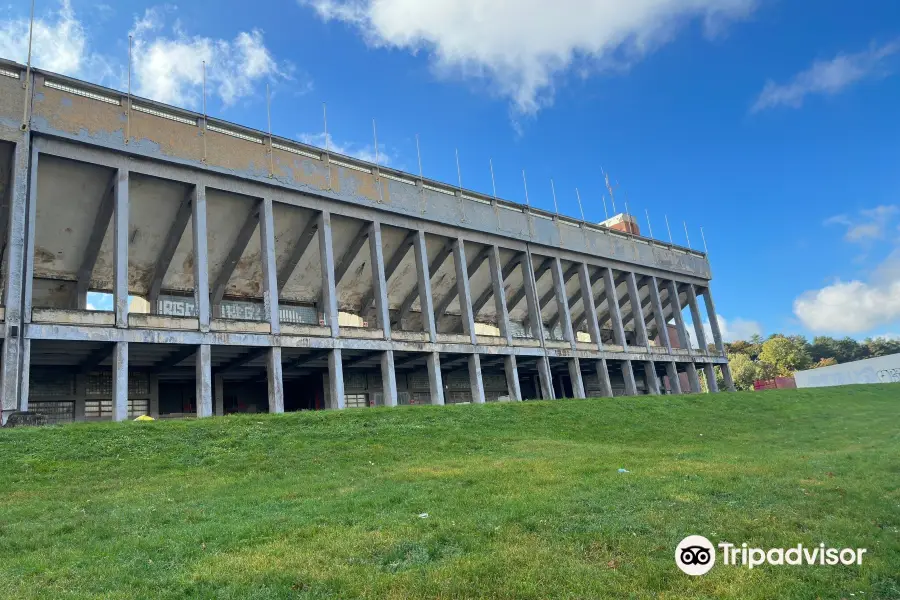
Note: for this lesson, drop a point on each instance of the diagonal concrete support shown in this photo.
(251, 221)
(696, 318)
(120, 251)
(389, 378)
(603, 378)
(675, 300)
(575, 375)
(274, 380)
(529, 279)
(499, 293)
(423, 286)
(650, 378)
(523, 292)
(562, 302)
(674, 377)
(379, 280)
(545, 376)
(658, 316)
(201, 257)
(92, 250)
(350, 254)
(297, 252)
(203, 365)
(270, 277)
(336, 379)
(170, 245)
(435, 381)
(615, 315)
(711, 384)
(329, 292)
(120, 381)
(511, 369)
(590, 308)
(390, 267)
(492, 290)
(628, 376)
(476, 384)
(463, 290)
(634, 298)
(693, 378)
(454, 293)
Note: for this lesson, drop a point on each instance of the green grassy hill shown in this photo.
(522, 501)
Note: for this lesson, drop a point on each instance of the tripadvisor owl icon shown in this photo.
(695, 555)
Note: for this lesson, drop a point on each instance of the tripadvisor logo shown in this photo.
(696, 555)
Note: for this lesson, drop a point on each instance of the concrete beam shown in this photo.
(560, 281)
(628, 376)
(590, 308)
(529, 278)
(120, 251)
(662, 329)
(603, 377)
(693, 378)
(270, 277)
(574, 366)
(299, 249)
(201, 257)
(675, 300)
(298, 363)
(429, 270)
(551, 293)
(462, 289)
(234, 254)
(120, 382)
(511, 369)
(497, 290)
(634, 298)
(423, 286)
(523, 293)
(711, 384)
(388, 378)
(204, 381)
(674, 378)
(349, 255)
(391, 267)
(92, 250)
(379, 279)
(696, 318)
(239, 361)
(713, 321)
(546, 378)
(486, 294)
(435, 381)
(726, 376)
(274, 381)
(619, 280)
(650, 378)
(329, 292)
(476, 384)
(96, 357)
(170, 245)
(612, 302)
(336, 379)
(174, 358)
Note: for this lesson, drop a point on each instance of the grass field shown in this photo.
(522, 501)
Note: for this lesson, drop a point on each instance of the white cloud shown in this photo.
(170, 68)
(854, 306)
(869, 225)
(521, 47)
(827, 77)
(732, 331)
(364, 152)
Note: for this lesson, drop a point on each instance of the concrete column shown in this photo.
(590, 307)
(274, 380)
(615, 314)
(329, 293)
(693, 378)
(21, 205)
(435, 381)
(628, 376)
(500, 297)
(726, 376)
(81, 396)
(379, 282)
(683, 339)
(120, 382)
(270, 274)
(562, 302)
(603, 378)
(120, 250)
(650, 378)
(674, 378)
(713, 321)
(575, 376)
(512, 378)
(388, 378)
(463, 290)
(201, 258)
(336, 379)
(634, 297)
(203, 363)
(219, 395)
(546, 378)
(475, 381)
(425, 298)
(531, 296)
(711, 384)
(25, 384)
(30, 224)
(696, 318)
(658, 314)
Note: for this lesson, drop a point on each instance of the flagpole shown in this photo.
(27, 82)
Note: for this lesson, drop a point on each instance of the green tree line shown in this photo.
(781, 355)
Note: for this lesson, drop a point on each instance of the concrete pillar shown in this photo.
(693, 378)
(379, 283)
(628, 376)
(697, 318)
(562, 302)
(512, 378)
(274, 380)
(22, 204)
(201, 259)
(120, 250)
(659, 318)
(590, 307)
(203, 363)
(683, 339)
(25, 384)
(531, 297)
(634, 297)
(120, 382)
(336, 379)
(674, 378)
(270, 274)
(219, 395)
(329, 293)
(575, 375)
(726, 376)
(463, 290)
(713, 321)
(424, 284)
(650, 378)
(711, 384)
(475, 381)
(546, 377)
(388, 378)
(435, 380)
(499, 294)
(615, 314)
(603, 378)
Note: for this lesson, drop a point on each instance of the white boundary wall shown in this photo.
(884, 369)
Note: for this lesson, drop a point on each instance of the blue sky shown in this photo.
(773, 124)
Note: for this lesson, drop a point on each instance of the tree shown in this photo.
(785, 355)
(744, 371)
(881, 347)
(825, 362)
